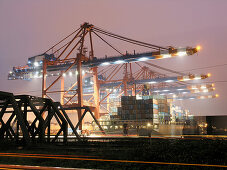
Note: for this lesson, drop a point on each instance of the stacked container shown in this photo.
(133, 109)
(164, 111)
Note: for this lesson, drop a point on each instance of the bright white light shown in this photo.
(83, 72)
(143, 59)
(115, 90)
(76, 72)
(36, 64)
(203, 87)
(174, 96)
(148, 124)
(64, 74)
(10, 72)
(182, 53)
(185, 92)
(192, 98)
(152, 82)
(52, 74)
(91, 82)
(169, 81)
(180, 89)
(105, 64)
(157, 91)
(171, 93)
(197, 78)
(162, 94)
(179, 99)
(165, 90)
(194, 88)
(166, 56)
(119, 61)
(205, 91)
(70, 73)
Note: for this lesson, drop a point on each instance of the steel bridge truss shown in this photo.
(16, 126)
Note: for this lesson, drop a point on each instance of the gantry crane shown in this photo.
(62, 59)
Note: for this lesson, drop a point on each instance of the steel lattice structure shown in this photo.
(61, 59)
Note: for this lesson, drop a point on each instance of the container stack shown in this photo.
(133, 109)
(164, 111)
(114, 103)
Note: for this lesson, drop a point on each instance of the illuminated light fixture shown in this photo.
(64, 74)
(185, 92)
(212, 84)
(162, 94)
(208, 75)
(52, 74)
(148, 124)
(180, 99)
(119, 61)
(210, 96)
(143, 59)
(205, 91)
(29, 62)
(91, 82)
(203, 87)
(213, 88)
(197, 78)
(115, 90)
(105, 64)
(181, 53)
(216, 95)
(10, 72)
(194, 88)
(76, 72)
(165, 90)
(198, 48)
(174, 96)
(166, 56)
(152, 82)
(36, 64)
(202, 97)
(180, 89)
(70, 73)
(83, 72)
(192, 98)
(171, 93)
(156, 91)
(186, 78)
(169, 81)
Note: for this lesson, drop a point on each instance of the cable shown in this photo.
(61, 40)
(219, 65)
(162, 68)
(131, 40)
(108, 43)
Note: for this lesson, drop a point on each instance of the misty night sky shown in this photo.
(28, 28)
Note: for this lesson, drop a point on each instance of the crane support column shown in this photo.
(44, 78)
(96, 93)
(80, 87)
(62, 90)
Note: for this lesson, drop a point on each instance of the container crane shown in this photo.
(60, 59)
